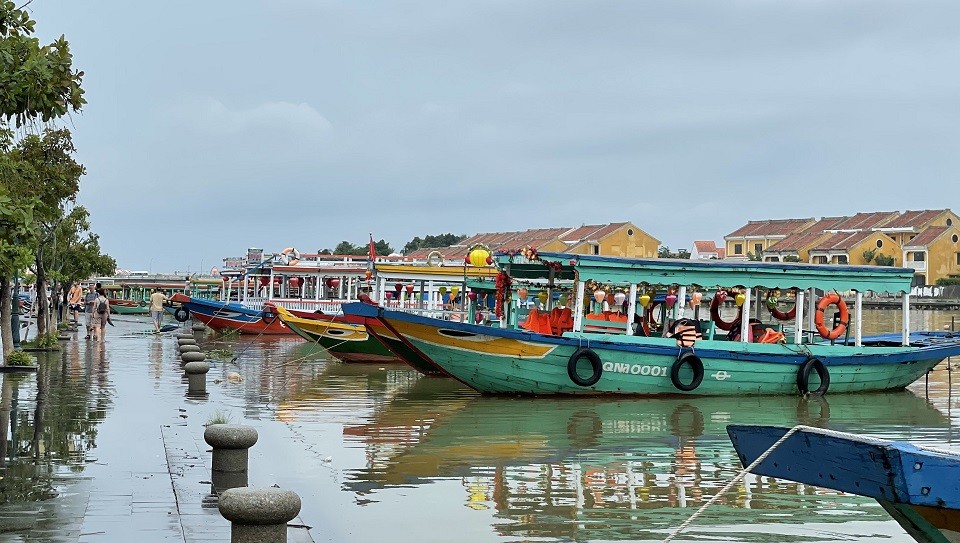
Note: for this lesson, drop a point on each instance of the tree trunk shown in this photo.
(43, 304)
(6, 311)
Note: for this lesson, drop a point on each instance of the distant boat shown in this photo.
(918, 486)
(128, 307)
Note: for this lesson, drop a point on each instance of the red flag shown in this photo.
(373, 249)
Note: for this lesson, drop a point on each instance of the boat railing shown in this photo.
(298, 304)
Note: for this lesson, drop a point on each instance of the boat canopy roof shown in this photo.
(411, 272)
(709, 273)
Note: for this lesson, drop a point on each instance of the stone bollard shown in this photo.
(259, 515)
(230, 442)
(189, 349)
(191, 356)
(196, 376)
(185, 336)
(198, 327)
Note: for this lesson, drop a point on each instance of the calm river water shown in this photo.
(379, 453)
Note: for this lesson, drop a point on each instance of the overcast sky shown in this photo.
(213, 126)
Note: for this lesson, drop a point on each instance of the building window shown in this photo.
(918, 256)
(738, 248)
(955, 238)
(879, 243)
(819, 260)
(596, 249)
(949, 222)
(958, 259)
(758, 248)
(842, 259)
(630, 231)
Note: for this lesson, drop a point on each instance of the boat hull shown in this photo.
(127, 307)
(917, 486)
(348, 342)
(230, 316)
(504, 361)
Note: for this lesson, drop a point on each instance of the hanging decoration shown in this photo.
(542, 297)
(522, 293)
(644, 300)
(739, 299)
(503, 283)
(695, 299)
(670, 300)
(619, 298)
(599, 295)
(409, 289)
(479, 255)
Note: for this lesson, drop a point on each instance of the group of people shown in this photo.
(96, 308)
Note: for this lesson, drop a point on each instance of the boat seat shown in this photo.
(597, 323)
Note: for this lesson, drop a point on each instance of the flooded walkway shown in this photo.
(104, 445)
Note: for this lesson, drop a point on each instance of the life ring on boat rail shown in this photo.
(695, 364)
(776, 313)
(803, 377)
(832, 299)
(291, 256)
(181, 314)
(595, 364)
(718, 298)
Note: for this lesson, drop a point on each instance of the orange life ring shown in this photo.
(780, 315)
(832, 299)
(291, 256)
(719, 297)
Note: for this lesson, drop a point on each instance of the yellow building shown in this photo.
(613, 239)
(755, 237)
(934, 254)
(855, 248)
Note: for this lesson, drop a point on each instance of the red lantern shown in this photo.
(472, 296)
(333, 282)
(466, 260)
(264, 280)
(389, 295)
(225, 278)
(295, 282)
(398, 287)
(409, 289)
(489, 260)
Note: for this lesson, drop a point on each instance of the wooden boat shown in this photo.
(601, 356)
(917, 485)
(227, 316)
(128, 307)
(348, 342)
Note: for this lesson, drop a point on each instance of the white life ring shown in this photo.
(291, 256)
(434, 258)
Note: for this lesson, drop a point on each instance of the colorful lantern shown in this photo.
(619, 298)
(670, 300)
(563, 299)
(472, 296)
(610, 299)
(454, 291)
(389, 295)
(542, 296)
(264, 280)
(225, 278)
(398, 287)
(740, 299)
(295, 282)
(522, 292)
(368, 274)
(599, 295)
(644, 300)
(333, 282)
(772, 302)
(442, 290)
(695, 299)
(409, 289)
(479, 256)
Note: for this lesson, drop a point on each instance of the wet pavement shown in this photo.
(104, 445)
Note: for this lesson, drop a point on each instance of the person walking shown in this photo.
(88, 301)
(74, 297)
(157, 299)
(101, 315)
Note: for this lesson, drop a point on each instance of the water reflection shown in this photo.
(48, 424)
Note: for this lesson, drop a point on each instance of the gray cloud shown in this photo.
(213, 126)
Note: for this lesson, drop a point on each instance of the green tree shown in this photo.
(791, 258)
(75, 255)
(432, 242)
(36, 82)
(347, 248)
(868, 255)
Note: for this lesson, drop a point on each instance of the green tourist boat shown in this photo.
(348, 342)
(609, 351)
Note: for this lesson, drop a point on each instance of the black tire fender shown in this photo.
(803, 377)
(181, 314)
(595, 363)
(695, 364)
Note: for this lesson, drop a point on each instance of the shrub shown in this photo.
(20, 358)
(947, 281)
(219, 417)
(884, 260)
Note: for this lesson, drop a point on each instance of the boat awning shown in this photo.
(711, 273)
(456, 274)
